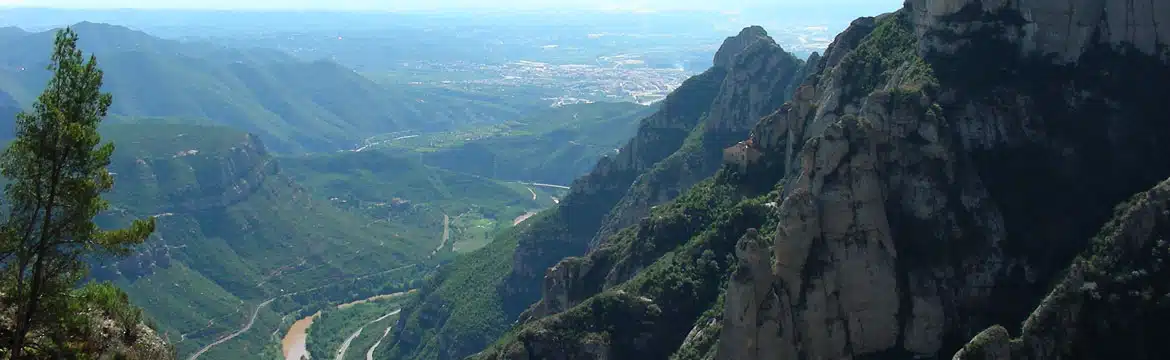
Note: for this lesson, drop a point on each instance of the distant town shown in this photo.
(619, 77)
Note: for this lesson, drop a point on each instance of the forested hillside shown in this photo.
(552, 146)
(293, 105)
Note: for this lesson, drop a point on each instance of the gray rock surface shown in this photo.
(890, 237)
(1065, 28)
(734, 45)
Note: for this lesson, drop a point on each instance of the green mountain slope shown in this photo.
(692, 125)
(233, 230)
(553, 146)
(366, 322)
(413, 198)
(293, 105)
(238, 227)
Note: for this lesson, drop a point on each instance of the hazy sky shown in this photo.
(401, 5)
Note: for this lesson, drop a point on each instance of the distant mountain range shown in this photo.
(293, 105)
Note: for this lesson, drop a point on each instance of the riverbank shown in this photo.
(295, 342)
(294, 345)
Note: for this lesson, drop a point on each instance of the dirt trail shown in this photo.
(533, 193)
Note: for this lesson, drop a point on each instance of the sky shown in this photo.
(409, 5)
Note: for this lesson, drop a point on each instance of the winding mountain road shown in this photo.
(256, 312)
(246, 327)
(547, 185)
(370, 353)
(345, 345)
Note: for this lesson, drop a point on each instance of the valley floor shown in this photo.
(295, 341)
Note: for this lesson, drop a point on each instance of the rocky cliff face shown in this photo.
(428, 331)
(759, 78)
(611, 182)
(760, 75)
(942, 165)
(196, 178)
(107, 327)
(675, 148)
(930, 194)
(193, 179)
(1065, 29)
(1112, 300)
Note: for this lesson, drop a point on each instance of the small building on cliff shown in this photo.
(741, 154)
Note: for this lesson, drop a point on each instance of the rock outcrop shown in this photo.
(564, 231)
(635, 234)
(1065, 29)
(757, 81)
(939, 168)
(734, 45)
(1111, 302)
(759, 78)
(930, 168)
(106, 326)
(609, 185)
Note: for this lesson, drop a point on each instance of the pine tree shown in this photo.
(57, 172)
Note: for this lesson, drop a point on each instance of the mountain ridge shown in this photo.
(429, 329)
(915, 191)
(296, 106)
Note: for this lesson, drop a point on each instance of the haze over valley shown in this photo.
(641, 179)
(294, 161)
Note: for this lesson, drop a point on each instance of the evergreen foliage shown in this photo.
(57, 172)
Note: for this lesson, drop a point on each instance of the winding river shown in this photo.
(294, 345)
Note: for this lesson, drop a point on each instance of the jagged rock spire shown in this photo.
(734, 45)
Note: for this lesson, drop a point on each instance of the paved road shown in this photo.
(246, 327)
(370, 353)
(345, 345)
(548, 185)
(252, 320)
